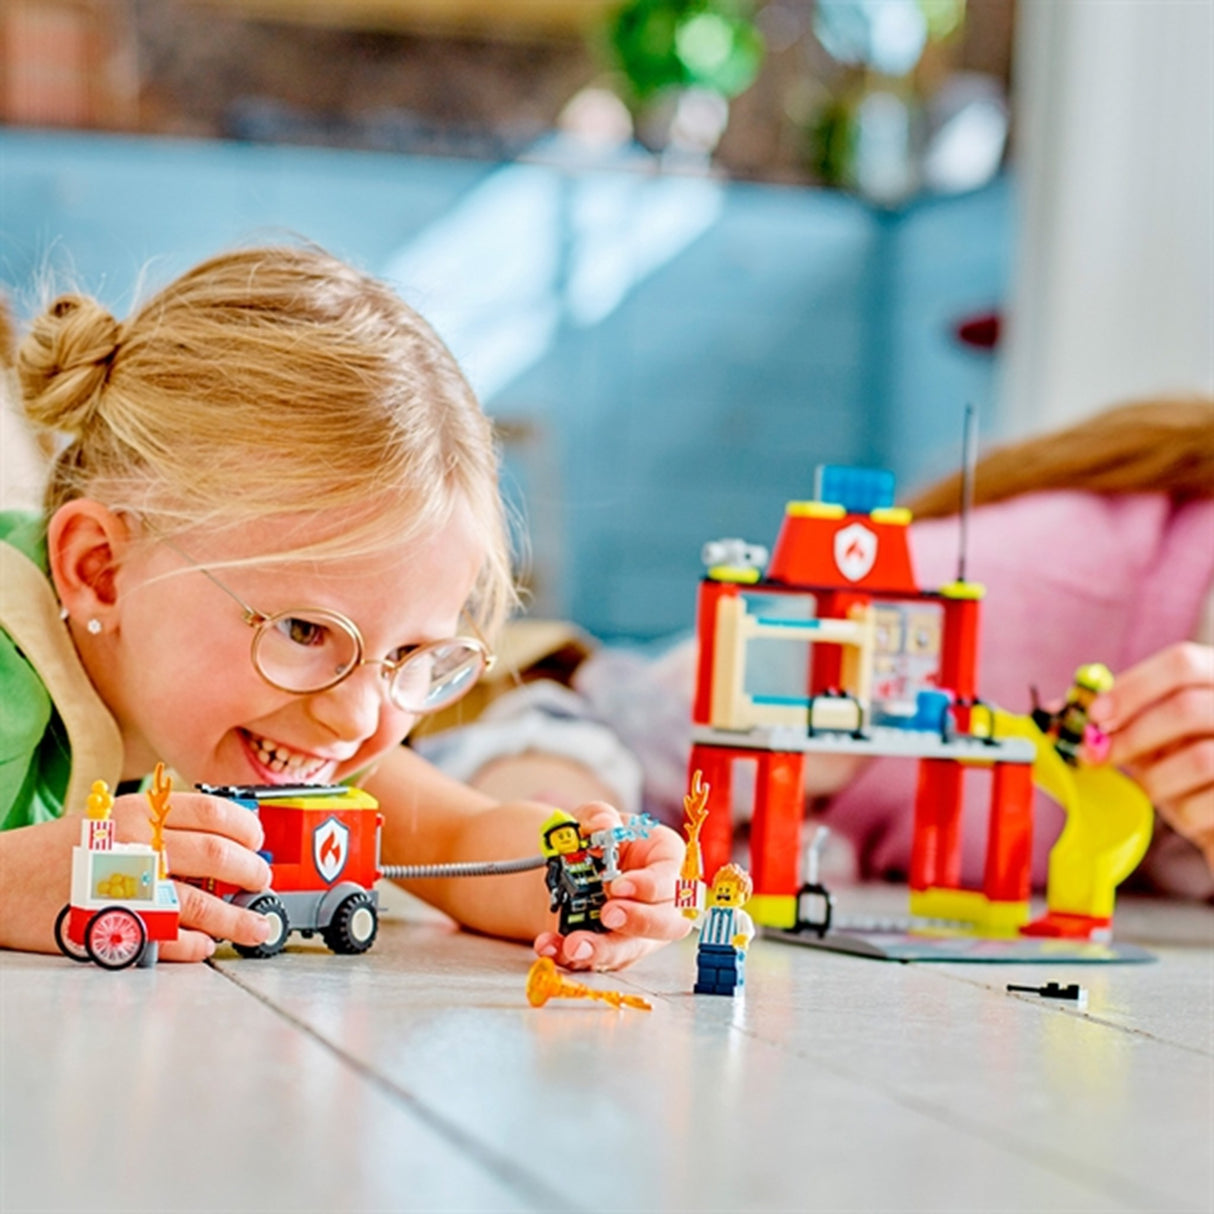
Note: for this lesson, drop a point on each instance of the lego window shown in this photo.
(906, 658)
(778, 666)
(124, 876)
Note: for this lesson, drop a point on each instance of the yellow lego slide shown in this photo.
(1108, 825)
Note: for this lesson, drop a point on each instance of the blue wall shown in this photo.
(677, 353)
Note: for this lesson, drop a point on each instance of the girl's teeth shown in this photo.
(279, 760)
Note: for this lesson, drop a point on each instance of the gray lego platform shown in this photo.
(893, 944)
(877, 740)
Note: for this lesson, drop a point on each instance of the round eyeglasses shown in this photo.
(309, 650)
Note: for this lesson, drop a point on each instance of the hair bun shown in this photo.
(64, 361)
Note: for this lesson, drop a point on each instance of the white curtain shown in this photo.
(1113, 290)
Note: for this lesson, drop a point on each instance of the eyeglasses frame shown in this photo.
(258, 619)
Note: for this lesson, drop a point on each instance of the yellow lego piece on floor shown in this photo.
(970, 906)
(773, 910)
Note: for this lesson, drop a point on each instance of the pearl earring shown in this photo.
(94, 626)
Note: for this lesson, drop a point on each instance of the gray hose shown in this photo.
(488, 868)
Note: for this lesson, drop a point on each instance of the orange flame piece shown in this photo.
(545, 982)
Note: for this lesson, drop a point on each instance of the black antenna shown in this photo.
(969, 457)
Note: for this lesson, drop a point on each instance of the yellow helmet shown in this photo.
(1095, 676)
(555, 822)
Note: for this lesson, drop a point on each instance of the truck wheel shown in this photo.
(115, 937)
(354, 925)
(280, 928)
(67, 946)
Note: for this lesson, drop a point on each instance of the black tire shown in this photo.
(67, 946)
(269, 906)
(354, 925)
(115, 938)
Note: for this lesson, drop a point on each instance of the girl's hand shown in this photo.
(204, 837)
(640, 909)
(1160, 720)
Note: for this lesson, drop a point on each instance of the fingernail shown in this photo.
(1102, 706)
(211, 947)
(623, 888)
(549, 950)
(613, 916)
(261, 929)
(582, 951)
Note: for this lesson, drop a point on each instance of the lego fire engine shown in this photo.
(322, 844)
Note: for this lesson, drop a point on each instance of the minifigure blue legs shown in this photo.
(720, 969)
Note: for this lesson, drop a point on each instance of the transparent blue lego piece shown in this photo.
(857, 490)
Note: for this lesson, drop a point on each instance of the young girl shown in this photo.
(272, 540)
(1095, 543)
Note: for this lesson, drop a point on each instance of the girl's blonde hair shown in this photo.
(269, 383)
(1155, 446)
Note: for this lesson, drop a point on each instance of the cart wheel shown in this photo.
(149, 956)
(115, 937)
(354, 925)
(280, 928)
(67, 946)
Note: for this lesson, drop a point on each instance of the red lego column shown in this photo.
(936, 845)
(1009, 846)
(715, 765)
(959, 650)
(827, 665)
(706, 631)
(775, 831)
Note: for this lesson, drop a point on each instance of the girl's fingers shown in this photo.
(618, 952)
(1184, 772)
(219, 919)
(1156, 678)
(216, 816)
(592, 950)
(1187, 713)
(189, 946)
(597, 815)
(193, 854)
(653, 883)
(660, 922)
(191, 811)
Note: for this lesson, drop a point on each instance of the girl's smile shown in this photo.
(279, 763)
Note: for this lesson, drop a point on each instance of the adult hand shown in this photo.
(640, 909)
(1160, 720)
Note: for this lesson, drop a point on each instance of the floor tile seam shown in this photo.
(501, 1167)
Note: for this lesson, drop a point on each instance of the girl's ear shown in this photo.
(85, 544)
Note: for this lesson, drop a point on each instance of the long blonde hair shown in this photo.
(1163, 446)
(264, 383)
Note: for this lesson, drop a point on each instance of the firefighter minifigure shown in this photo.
(1069, 727)
(574, 877)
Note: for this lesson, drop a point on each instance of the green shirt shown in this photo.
(48, 707)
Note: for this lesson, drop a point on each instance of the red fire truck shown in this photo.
(322, 845)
